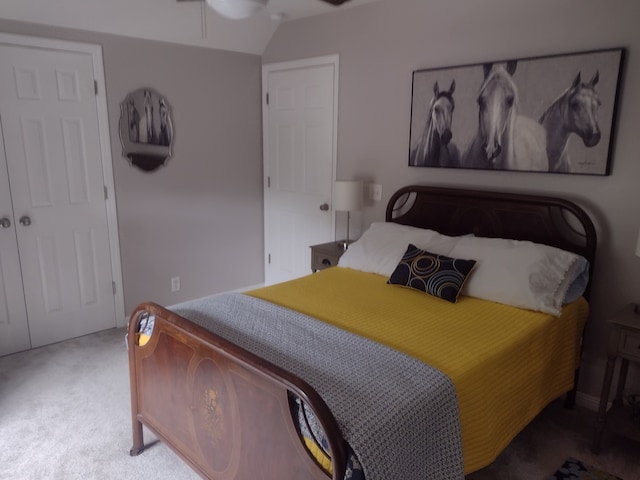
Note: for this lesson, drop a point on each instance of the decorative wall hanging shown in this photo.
(146, 129)
(546, 114)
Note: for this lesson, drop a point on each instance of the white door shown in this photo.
(299, 162)
(14, 331)
(52, 144)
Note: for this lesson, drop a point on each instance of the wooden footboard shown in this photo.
(223, 410)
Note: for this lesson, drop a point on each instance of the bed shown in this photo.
(417, 398)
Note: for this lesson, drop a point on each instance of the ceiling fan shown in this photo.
(238, 9)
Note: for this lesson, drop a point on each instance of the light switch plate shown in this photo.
(375, 192)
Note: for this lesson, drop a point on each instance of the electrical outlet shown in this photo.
(175, 284)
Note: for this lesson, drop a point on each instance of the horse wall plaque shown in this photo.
(146, 129)
(544, 114)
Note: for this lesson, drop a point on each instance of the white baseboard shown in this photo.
(587, 401)
(246, 289)
(237, 290)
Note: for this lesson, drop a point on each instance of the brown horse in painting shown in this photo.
(575, 111)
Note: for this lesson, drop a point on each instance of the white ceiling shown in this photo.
(190, 23)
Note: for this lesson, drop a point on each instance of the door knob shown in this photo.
(324, 207)
(25, 221)
(5, 222)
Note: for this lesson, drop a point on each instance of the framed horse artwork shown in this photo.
(146, 129)
(544, 114)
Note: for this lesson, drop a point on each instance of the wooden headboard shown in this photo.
(548, 220)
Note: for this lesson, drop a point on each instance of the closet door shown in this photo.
(52, 144)
(14, 331)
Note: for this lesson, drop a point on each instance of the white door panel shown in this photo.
(14, 330)
(299, 164)
(52, 144)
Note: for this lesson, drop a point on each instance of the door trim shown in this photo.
(295, 65)
(105, 145)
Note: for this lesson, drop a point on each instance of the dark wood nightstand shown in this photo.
(624, 342)
(325, 255)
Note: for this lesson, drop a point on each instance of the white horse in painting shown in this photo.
(575, 111)
(505, 140)
(435, 148)
(134, 121)
(164, 138)
(147, 129)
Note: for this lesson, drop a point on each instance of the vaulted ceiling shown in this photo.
(191, 23)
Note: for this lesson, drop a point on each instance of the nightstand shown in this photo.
(624, 343)
(325, 255)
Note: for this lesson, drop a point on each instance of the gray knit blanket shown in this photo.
(399, 415)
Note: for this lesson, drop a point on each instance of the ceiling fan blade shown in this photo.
(332, 2)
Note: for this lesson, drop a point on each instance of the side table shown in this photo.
(624, 343)
(326, 255)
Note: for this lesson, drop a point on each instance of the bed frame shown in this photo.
(184, 375)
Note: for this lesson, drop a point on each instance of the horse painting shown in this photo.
(146, 129)
(435, 148)
(575, 111)
(505, 140)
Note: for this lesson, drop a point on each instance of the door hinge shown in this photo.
(267, 98)
(106, 192)
(95, 86)
(268, 182)
(113, 285)
(269, 259)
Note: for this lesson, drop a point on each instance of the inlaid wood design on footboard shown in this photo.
(222, 409)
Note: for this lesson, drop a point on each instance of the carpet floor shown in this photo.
(552, 437)
(573, 469)
(65, 414)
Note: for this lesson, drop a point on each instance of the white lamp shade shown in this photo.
(347, 195)
(237, 9)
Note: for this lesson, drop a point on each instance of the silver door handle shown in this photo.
(5, 222)
(324, 207)
(25, 221)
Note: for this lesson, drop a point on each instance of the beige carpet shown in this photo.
(65, 414)
(553, 436)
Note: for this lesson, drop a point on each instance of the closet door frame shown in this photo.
(95, 51)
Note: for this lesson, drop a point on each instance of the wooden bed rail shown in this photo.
(223, 410)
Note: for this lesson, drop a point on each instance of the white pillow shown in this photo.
(519, 273)
(382, 245)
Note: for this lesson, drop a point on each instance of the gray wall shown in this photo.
(380, 44)
(200, 216)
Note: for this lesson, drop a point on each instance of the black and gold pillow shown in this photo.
(437, 275)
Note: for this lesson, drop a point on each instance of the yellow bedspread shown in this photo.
(507, 363)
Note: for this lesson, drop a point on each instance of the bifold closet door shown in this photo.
(51, 138)
(14, 330)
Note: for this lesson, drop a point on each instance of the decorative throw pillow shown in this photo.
(437, 275)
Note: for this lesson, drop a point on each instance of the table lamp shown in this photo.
(347, 197)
